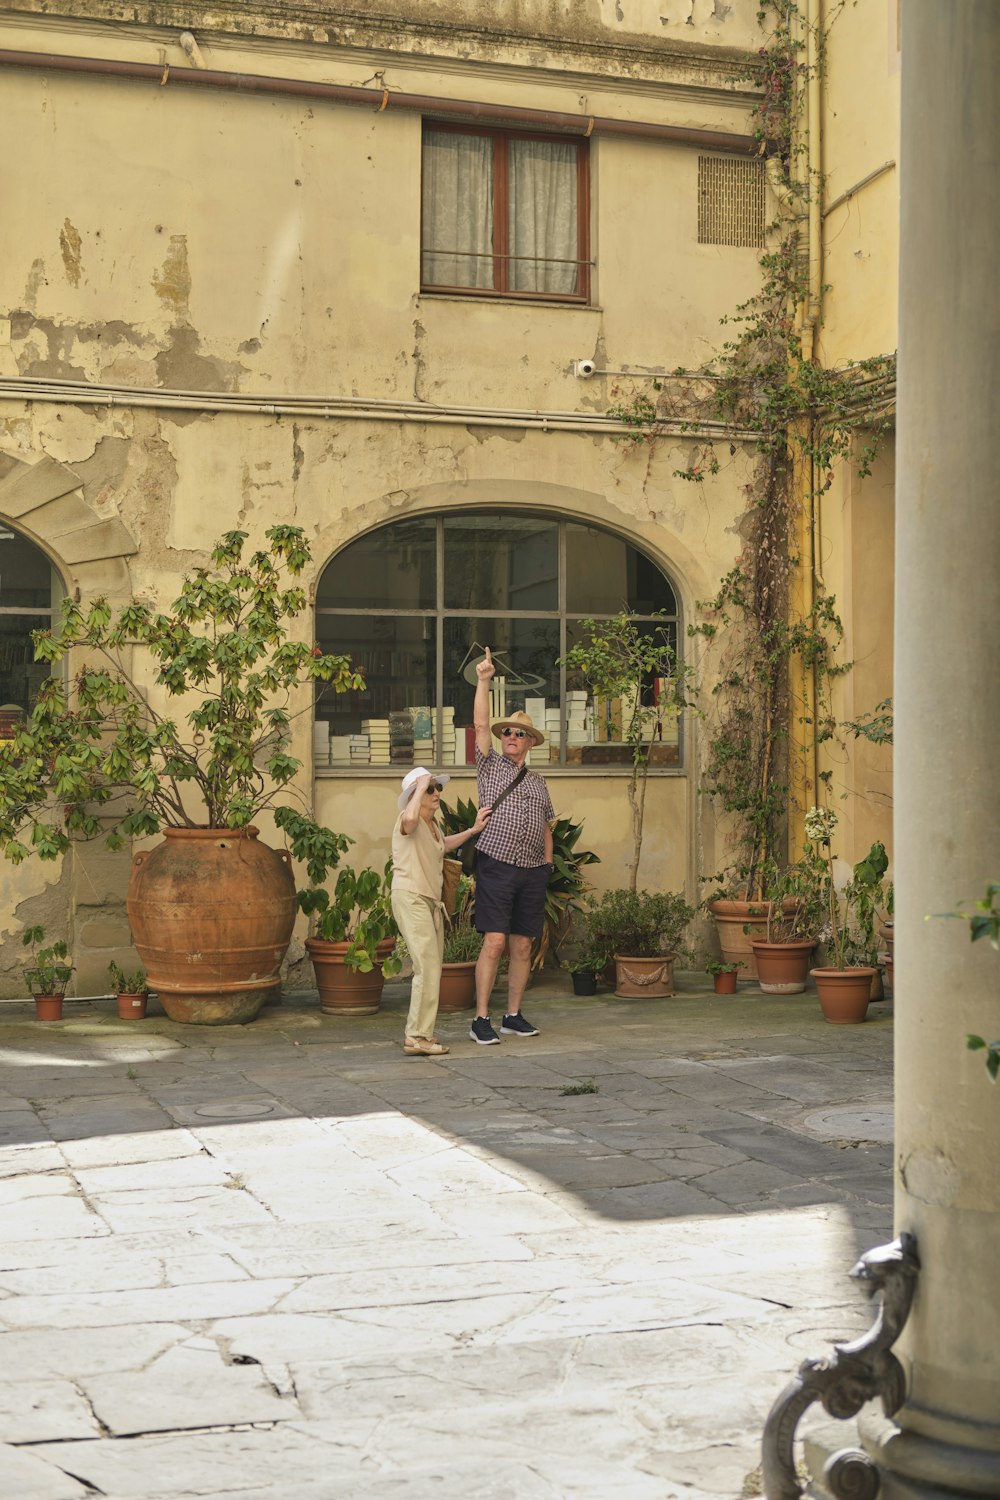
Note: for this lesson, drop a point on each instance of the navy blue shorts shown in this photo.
(510, 898)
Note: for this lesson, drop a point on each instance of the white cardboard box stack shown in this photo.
(359, 749)
(340, 749)
(576, 717)
(321, 742)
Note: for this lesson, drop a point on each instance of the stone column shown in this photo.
(946, 1439)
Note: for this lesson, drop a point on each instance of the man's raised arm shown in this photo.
(481, 708)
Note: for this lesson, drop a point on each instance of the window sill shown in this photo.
(519, 302)
(618, 773)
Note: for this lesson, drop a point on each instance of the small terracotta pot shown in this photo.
(782, 967)
(458, 986)
(725, 984)
(644, 978)
(48, 1007)
(843, 994)
(131, 1007)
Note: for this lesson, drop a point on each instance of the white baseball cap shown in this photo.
(410, 780)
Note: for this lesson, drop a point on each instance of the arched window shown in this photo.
(30, 591)
(414, 603)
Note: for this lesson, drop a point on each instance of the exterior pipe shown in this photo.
(381, 100)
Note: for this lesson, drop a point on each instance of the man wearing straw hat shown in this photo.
(513, 858)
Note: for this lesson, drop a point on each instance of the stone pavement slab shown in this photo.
(286, 1260)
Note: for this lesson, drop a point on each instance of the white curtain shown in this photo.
(543, 216)
(457, 210)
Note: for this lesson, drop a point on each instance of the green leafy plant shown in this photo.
(714, 967)
(983, 922)
(96, 754)
(593, 958)
(124, 983)
(850, 914)
(48, 973)
(356, 911)
(638, 924)
(461, 940)
(796, 899)
(635, 663)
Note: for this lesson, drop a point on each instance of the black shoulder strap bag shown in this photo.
(467, 852)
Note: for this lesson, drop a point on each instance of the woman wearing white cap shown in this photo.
(418, 850)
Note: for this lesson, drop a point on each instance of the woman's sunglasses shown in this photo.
(433, 786)
(516, 734)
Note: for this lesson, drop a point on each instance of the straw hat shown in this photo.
(410, 780)
(518, 720)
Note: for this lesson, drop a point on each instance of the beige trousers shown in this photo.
(421, 922)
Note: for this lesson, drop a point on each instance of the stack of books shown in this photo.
(401, 738)
(321, 742)
(552, 726)
(576, 717)
(498, 698)
(359, 749)
(377, 731)
(422, 718)
(340, 749)
(445, 749)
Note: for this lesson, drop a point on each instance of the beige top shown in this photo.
(418, 859)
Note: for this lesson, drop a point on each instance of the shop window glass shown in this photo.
(30, 591)
(519, 583)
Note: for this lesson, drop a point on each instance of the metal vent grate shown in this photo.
(730, 201)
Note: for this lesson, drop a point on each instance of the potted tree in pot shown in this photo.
(845, 984)
(131, 990)
(353, 939)
(47, 975)
(461, 950)
(644, 932)
(211, 907)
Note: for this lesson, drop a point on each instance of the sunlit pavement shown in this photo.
(286, 1260)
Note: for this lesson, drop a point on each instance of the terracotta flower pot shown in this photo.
(458, 986)
(725, 984)
(344, 991)
(843, 994)
(212, 911)
(644, 978)
(730, 918)
(782, 967)
(48, 1007)
(131, 1007)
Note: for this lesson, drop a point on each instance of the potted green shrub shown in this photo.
(587, 968)
(131, 990)
(644, 932)
(637, 665)
(723, 975)
(211, 907)
(353, 938)
(461, 950)
(844, 985)
(48, 973)
(795, 910)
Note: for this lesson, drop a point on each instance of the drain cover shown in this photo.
(854, 1122)
(237, 1109)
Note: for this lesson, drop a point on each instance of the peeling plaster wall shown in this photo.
(216, 243)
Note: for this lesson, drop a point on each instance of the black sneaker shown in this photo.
(482, 1032)
(517, 1026)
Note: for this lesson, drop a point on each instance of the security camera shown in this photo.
(583, 368)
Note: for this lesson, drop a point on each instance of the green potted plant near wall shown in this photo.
(644, 932)
(844, 985)
(211, 906)
(587, 968)
(637, 665)
(723, 975)
(795, 912)
(353, 932)
(461, 950)
(48, 973)
(131, 990)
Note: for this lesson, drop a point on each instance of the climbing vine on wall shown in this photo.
(804, 418)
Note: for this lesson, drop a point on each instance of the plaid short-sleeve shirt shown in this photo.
(516, 831)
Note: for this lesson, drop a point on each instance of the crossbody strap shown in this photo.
(505, 793)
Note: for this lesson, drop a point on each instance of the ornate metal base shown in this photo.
(857, 1372)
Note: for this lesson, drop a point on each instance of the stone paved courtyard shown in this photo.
(284, 1260)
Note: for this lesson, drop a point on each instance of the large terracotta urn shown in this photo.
(212, 911)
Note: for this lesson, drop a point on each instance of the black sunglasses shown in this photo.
(434, 786)
(517, 734)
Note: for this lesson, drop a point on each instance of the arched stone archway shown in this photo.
(45, 503)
